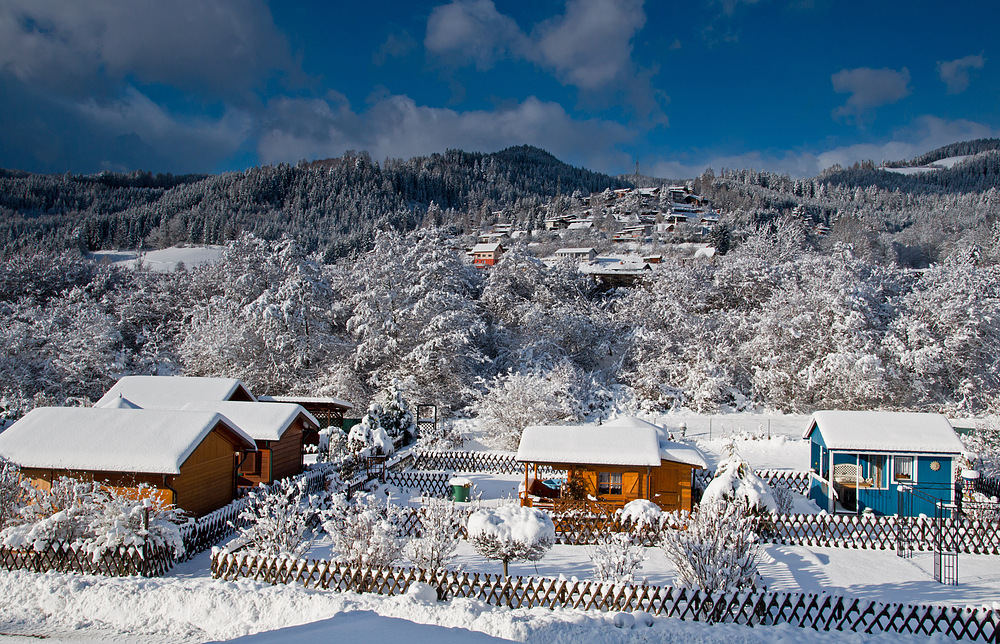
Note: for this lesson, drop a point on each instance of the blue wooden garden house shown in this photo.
(864, 457)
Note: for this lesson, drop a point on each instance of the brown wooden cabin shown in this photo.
(188, 458)
(329, 411)
(276, 428)
(613, 464)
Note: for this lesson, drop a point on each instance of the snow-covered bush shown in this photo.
(511, 533)
(97, 519)
(716, 550)
(435, 548)
(277, 519)
(132, 519)
(782, 499)
(735, 480)
(365, 531)
(641, 514)
(368, 438)
(396, 416)
(615, 557)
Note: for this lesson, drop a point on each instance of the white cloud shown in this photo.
(473, 29)
(589, 46)
(868, 89)
(955, 73)
(212, 46)
(395, 126)
(924, 134)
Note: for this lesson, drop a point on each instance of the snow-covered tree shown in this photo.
(133, 519)
(736, 482)
(715, 549)
(11, 492)
(511, 533)
(368, 438)
(441, 523)
(277, 519)
(395, 415)
(984, 443)
(365, 531)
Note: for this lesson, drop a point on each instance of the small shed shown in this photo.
(172, 392)
(861, 459)
(188, 458)
(276, 428)
(586, 254)
(617, 462)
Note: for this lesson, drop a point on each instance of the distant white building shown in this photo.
(588, 254)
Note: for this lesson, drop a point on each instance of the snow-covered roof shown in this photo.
(110, 440)
(261, 421)
(886, 431)
(171, 392)
(486, 248)
(575, 251)
(625, 441)
(305, 400)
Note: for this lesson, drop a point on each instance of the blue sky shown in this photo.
(791, 86)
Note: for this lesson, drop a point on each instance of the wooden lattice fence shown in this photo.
(794, 480)
(122, 561)
(485, 462)
(428, 483)
(820, 612)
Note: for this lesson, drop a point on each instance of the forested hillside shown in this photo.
(895, 306)
(334, 207)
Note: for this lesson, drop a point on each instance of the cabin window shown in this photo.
(873, 469)
(609, 483)
(903, 468)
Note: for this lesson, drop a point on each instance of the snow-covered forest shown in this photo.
(895, 308)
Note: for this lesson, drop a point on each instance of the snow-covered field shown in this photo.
(188, 606)
(162, 261)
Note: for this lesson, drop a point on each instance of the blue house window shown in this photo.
(873, 470)
(902, 467)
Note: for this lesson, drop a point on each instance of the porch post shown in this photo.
(831, 501)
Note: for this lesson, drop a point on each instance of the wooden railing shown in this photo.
(751, 608)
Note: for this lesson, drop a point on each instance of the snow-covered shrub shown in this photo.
(716, 549)
(641, 514)
(396, 416)
(365, 531)
(368, 438)
(615, 557)
(735, 480)
(277, 519)
(132, 519)
(59, 514)
(435, 548)
(511, 533)
(10, 491)
(782, 499)
(98, 519)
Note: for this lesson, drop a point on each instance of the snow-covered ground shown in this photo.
(940, 164)
(162, 261)
(188, 606)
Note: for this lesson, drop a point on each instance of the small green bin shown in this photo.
(460, 488)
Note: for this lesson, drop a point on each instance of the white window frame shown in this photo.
(896, 459)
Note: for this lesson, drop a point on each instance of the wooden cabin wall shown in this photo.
(208, 478)
(124, 483)
(286, 454)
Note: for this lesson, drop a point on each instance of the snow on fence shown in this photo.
(122, 561)
(795, 481)
(484, 462)
(427, 483)
(821, 612)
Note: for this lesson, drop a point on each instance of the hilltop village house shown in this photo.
(487, 254)
(860, 460)
(187, 458)
(194, 441)
(619, 462)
